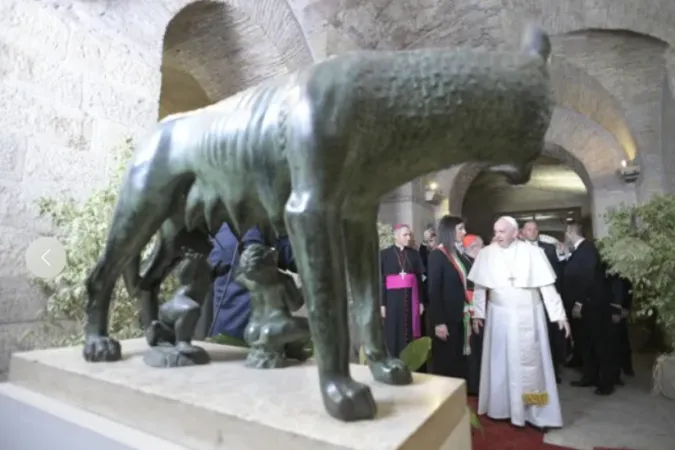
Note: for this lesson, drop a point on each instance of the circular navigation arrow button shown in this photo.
(46, 257)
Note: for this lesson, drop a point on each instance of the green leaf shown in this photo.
(416, 353)
(362, 356)
(224, 339)
(82, 228)
(640, 246)
(475, 421)
(309, 349)
(386, 234)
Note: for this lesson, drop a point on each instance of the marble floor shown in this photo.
(631, 418)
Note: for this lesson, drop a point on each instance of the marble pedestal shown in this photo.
(225, 405)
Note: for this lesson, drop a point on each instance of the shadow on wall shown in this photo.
(180, 91)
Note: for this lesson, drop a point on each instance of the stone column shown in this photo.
(407, 205)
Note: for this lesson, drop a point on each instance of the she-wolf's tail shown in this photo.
(536, 41)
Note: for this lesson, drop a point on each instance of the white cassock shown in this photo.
(517, 380)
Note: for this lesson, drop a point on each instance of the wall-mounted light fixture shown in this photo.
(629, 171)
(431, 193)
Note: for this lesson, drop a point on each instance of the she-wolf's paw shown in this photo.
(391, 371)
(348, 400)
(101, 349)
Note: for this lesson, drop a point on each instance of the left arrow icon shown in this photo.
(45, 259)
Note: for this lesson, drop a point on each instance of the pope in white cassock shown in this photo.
(514, 282)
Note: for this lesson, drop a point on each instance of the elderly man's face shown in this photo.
(505, 233)
(403, 236)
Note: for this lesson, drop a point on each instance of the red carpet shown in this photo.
(501, 435)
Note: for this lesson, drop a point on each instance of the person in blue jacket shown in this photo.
(231, 301)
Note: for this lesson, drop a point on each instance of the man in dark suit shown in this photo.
(621, 301)
(530, 233)
(587, 301)
(428, 244)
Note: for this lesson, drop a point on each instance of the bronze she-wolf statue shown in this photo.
(310, 154)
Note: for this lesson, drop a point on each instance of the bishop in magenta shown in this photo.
(403, 295)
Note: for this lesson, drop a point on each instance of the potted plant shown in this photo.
(640, 247)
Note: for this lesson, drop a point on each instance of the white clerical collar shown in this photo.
(535, 243)
(578, 243)
(400, 247)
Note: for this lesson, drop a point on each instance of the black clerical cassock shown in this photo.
(402, 296)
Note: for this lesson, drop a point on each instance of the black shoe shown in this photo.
(629, 373)
(604, 391)
(619, 382)
(582, 383)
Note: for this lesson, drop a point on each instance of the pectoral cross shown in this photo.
(403, 274)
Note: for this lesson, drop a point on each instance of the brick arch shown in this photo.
(461, 183)
(583, 145)
(468, 172)
(180, 91)
(576, 90)
(653, 18)
(275, 19)
(227, 46)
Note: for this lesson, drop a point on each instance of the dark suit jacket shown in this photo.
(621, 292)
(424, 254)
(552, 256)
(583, 280)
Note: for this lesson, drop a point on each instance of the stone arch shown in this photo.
(212, 49)
(465, 175)
(565, 16)
(576, 90)
(468, 172)
(584, 146)
(582, 100)
(180, 91)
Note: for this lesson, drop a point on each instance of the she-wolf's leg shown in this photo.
(184, 309)
(145, 283)
(144, 203)
(314, 226)
(361, 244)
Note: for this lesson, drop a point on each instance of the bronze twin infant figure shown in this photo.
(310, 154)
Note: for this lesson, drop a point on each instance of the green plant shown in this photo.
(640, 247)
(82, 228)
(386, 234)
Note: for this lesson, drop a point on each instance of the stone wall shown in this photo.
(668, 135)
(66, 94)
(77, 76)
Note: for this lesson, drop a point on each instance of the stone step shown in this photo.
(31, 421)
(225, 405)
